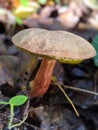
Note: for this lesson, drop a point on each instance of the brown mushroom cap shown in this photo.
(53, 44)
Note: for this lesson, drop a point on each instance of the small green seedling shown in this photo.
(15, 101)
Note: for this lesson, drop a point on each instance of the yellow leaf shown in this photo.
(23, 12)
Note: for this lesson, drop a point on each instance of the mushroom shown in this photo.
(52, 46)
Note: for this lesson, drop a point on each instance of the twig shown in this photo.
(70, 101)
(80, 90)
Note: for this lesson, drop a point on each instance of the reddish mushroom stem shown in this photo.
(42, 80)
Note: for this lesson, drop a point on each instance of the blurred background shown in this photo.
(50, 14)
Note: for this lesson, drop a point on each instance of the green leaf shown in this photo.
(42, 2)
(18, 100)
(57, 1)
(18, 21)
(95, 44)
(24, 2)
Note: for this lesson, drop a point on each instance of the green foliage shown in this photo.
(18, 21)
(95, 44)
(42, 2)
(24, 2)
(57, 1)
(15, 101)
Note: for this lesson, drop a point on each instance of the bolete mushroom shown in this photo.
(52, 46)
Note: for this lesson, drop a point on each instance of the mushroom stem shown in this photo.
(42, 80)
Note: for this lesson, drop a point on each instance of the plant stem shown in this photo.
(11, 116)
(5, 103)
(20, 123)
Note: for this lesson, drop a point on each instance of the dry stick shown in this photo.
(70, 101)
(81, 90)
(76, 89)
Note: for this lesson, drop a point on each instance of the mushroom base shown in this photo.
(40, 84)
